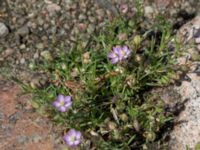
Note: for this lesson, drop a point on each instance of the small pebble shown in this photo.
(148, 11)
(40, 46)
(22, 139)
(36, 138)
(36, 56)
(8, 52)
(46, 55)
(53, 8)
(3, 30)
(22, 46)
(22, 60)
(23, 31)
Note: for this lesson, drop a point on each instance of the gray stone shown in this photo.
(2, 116)
(40, 46)
(36, 138)
(108, 5)
(8, 52)
(53, 8)
(92, 19)
(36, 55)
(14, 117)
(40, 21)
(22, 139)
(46, 55)
(22, 46)
(3, 30)
(148, 11)
(82, 17)
(22, 60)
(23, 31)
(90, 28)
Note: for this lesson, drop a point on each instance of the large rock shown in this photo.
(21, 128)
(190, 33)
(187, 133)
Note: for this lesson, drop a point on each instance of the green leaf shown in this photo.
(197, 146)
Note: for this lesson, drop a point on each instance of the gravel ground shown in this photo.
(33, 30)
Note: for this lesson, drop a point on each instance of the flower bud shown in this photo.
(138, 58)
(117, 135)
(86, 58)
(150, 136)
(63, 65)
(136, 125)
(112, 125)
(123, 117)
(130, 80)
(137, 40)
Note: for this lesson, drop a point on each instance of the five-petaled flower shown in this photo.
(63, 103)
(72, 138)
(125, 52)
(119, 53)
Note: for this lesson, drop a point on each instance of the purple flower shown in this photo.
(119, 53)
(125, 52)
(115, 54)
(63, 103)
(72, 138)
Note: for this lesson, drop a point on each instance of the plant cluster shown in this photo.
(100, 93)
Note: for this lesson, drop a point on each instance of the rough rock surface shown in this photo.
(20, 127)
(187, 133)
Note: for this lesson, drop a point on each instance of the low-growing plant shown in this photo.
(100, 93)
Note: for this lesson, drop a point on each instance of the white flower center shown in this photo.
(115, 55)
(123, 53)
(73, 138)
(62, 103)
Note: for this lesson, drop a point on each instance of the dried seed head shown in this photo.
(150, 136)
(123, 117)
(86, 58)
(74, 72)
(94, 133)
(119, 69)
(112, 125)
(130, 80)
(64, 67)
(138, 58)
(136, 125)
(116, 135)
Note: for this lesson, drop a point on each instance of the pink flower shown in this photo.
(63, 103)
(119, 53)
(72, 138)
(115, 55)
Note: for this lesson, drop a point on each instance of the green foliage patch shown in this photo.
(111, 103)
